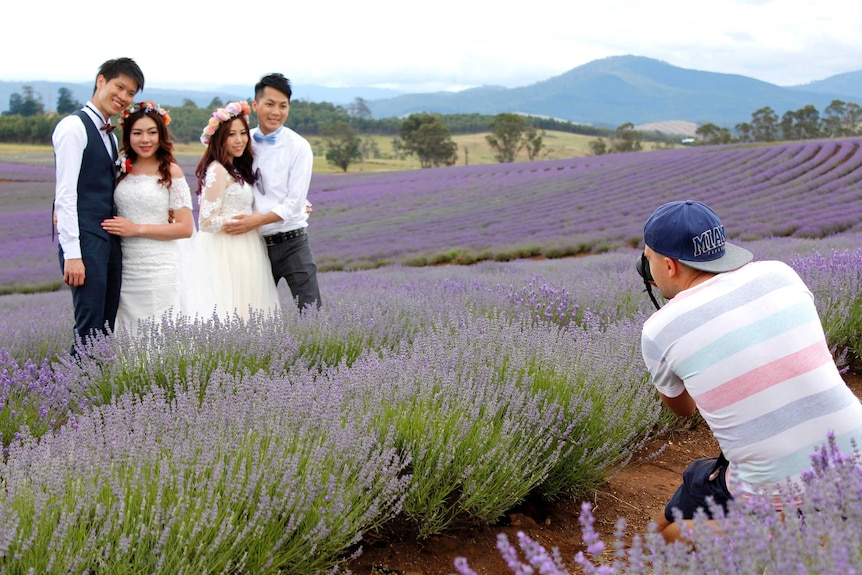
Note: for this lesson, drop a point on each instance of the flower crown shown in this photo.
(232, 110)
(149, 106)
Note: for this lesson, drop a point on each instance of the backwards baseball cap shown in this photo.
(692, 233)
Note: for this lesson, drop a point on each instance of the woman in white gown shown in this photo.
(150, 186)
(234, 276)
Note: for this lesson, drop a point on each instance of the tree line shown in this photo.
(839, 120)
(307, 118)
(428, 137)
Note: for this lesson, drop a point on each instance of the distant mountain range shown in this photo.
(620, 89)
(202, 98)
(606, 92)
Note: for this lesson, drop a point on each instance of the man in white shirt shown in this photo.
(283, 162)
(85, 154)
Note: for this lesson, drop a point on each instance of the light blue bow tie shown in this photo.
(268, 139)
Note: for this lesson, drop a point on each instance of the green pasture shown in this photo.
(34, 154)
(472, 149)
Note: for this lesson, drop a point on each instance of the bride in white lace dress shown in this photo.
(150, 185)
(235, 276)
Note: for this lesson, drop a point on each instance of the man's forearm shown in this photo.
(268, 218)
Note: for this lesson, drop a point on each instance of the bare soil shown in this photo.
(637, 492)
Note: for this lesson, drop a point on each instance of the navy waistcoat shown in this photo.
(96, 181)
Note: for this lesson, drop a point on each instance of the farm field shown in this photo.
(500, 212)
(473, 150)
(424, 409)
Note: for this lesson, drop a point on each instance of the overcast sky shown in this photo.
(446, 45)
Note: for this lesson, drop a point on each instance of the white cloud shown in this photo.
(447, 44)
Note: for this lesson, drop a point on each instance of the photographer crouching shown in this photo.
(740, 342)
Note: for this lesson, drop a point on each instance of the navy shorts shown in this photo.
(704, 478)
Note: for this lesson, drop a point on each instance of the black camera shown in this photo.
(642, 266)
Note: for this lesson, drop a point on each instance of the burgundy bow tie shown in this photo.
(107, 127)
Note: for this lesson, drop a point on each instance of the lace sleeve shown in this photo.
(215, 182)
(180, 195)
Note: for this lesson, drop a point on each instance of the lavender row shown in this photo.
(38, 326)
(251, 475)
(25, 173)
(836, 279)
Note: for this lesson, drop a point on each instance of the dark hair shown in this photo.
(165, 151)
(240, 168)
(126, 66)
(275, 81)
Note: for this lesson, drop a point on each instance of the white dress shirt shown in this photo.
(284, 176)
(70, 140)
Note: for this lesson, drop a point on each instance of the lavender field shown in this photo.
(500, 212)
(28, 258)
(417, 400)
(563, 207)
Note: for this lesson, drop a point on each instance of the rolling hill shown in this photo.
(848, 84)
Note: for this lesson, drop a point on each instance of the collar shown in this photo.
(271, 134)
(90, 106)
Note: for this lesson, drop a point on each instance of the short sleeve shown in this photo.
(180, 195)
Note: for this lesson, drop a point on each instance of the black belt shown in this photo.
(283, 236)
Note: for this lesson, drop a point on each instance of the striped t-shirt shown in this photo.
(749, 348)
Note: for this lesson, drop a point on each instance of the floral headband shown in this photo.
(232, 110)
(149, 107)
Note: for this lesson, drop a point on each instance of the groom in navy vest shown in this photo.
(85, 154)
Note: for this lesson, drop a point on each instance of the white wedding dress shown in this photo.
(151, 268)
(231, 273)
